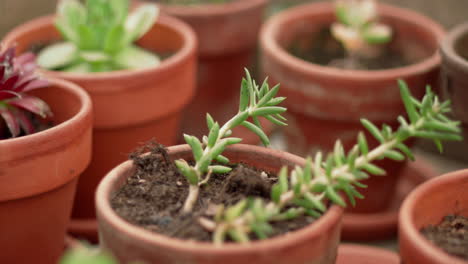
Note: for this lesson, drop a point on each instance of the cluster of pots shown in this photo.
(49, 176)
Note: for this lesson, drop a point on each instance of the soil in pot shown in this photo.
(451, 235)
(153, 196)
(323, 49)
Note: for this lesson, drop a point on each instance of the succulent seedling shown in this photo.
(99, 36)
(358, 29)
(255, 101)
(307, 190)
(17, 77)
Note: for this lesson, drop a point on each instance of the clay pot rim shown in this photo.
(270, 31)
(448, 51)
(333, 215)
(84, 111)
(189, 45)
(209, 10)
(407, 226)
(386, 256)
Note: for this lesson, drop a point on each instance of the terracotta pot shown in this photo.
(38, 176)
(427, 205)
(454, 74)
(227, 35)
(131, 107)
(358, 254)
(316, 243)
(326, 103)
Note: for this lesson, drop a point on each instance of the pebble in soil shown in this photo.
(451, 235)
(153, 196)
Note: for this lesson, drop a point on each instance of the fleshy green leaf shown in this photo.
(141, 20)
(57, 55)
(244, 95)
(213, 135)
(372, 129)
(334, 196)
(235, 211)
(187, 171)
(377, 34)
(219, 169)
(268, 110)
(406, 97)
(133, 57)
(263, 137)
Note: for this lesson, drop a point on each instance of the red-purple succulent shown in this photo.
(17, 77)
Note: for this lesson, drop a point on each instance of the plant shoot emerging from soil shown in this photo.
(98, 37)
(17, 77)
(357, 28)
(255, 101)
(307, 190)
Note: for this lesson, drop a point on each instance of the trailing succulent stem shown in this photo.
(307, 190)
(255, 101)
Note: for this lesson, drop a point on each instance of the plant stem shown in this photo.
(287, 197)
(194, 190)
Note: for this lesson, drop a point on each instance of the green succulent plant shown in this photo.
(357, 27)
(255, 101)
(307, 190)
(99, 36)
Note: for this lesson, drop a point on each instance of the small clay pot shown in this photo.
(316, 243)
(131, 107)
(454, 50)
(228, 36)
(326, 103)
(428, 205)
(38, 177)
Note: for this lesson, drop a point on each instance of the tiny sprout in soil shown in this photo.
(358, 30)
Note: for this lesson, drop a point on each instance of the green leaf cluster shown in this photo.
(255, 101)
(357, 24)
(98, 37)
(306, 190)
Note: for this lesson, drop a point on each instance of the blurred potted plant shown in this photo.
(227, 31)
(42, 156)
(338, 62)
(454, 71)
(434, 220)
(112, 55)
(204, 191)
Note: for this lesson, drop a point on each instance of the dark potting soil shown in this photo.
(322, 48)
(38, 123)
(154, 195)
(451, 235)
